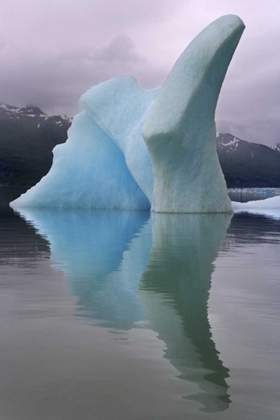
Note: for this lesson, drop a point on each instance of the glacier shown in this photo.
(135, 148)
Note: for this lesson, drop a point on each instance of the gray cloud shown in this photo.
(52, 51)
(56, 83)
(121, 49)
(249, 104)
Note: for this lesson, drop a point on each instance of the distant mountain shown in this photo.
(28, 136)
(248, 165)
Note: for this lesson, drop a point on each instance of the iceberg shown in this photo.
(135, 148)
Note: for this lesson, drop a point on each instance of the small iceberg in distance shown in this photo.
(269, 206)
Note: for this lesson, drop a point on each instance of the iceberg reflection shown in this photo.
(129, 267)
(175, 290)
(94, 250)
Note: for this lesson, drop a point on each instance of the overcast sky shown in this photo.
(52, 51)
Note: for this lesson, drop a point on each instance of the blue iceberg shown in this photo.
(133, 148)
(89, 171)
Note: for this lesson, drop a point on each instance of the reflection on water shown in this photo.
(157, 297)
(103, 267)
(254, 229)
(19, 243)
(129, 270)
(178, 280)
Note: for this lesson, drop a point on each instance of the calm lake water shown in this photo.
(126, 315)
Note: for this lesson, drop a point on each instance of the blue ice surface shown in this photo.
(120, 107)
(88, 171)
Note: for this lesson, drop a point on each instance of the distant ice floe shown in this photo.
(269, 207)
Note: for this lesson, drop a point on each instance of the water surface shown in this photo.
(128, 315)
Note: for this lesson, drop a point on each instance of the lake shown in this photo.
(131, 315)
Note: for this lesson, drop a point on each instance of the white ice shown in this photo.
(269, 206)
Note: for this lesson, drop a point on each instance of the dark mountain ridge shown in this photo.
(28, 136)
(248, 165)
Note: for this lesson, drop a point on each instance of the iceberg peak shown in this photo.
(180, 128)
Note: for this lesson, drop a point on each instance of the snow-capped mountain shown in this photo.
(14, 112)
(247, 164)
(27, 138)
